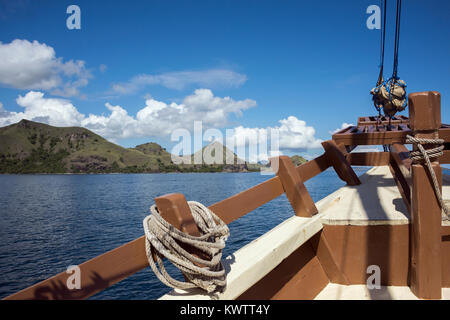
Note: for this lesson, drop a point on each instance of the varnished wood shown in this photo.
(381, 137)
(426, 272)
(400, 154)
(294, 188)
(373, 120)
(175, 210)
(400, 166)
(340, 164)
(312, 168)
(242, 203)
(327, 259)
(96, 274)
(368, 158)
(426, 261)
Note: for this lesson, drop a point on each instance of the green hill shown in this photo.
(32, 147)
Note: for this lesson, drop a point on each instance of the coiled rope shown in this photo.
(424, 155)
(162, 240)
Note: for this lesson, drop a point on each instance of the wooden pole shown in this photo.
(174, 209)
(336, 157)
(426, 220)
(296, 191)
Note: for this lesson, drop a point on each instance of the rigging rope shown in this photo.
(390, 95)
(424, 155)
(383, 38)
(162, 240)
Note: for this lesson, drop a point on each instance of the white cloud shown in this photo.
(259, 144)
(34, 65)
(56, 112)
(211, 78)
(343, 126)
(160, 119)
(155, 119)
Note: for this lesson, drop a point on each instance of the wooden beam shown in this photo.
(445, 158)
(400, 166)
(326, 258)
(312, 168)
(337, 159)
(349, 138)
(174, 209)
(246, 201)
(96, 275)
(426, 263)
(293, 186)
(368, 158)
(400, 154)
(402, 184)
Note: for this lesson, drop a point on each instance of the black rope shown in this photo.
(383, 37)
(397, 38)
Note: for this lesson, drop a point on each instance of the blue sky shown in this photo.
(312, 60)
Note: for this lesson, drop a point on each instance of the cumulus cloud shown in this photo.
(211, 78)
(56, 112)
(156, 118)
(259, 144)
(160, 119)
(293, 133)
(34, 65)
(343, 126)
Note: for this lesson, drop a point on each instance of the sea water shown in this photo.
(49, 222)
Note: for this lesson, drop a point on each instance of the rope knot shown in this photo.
(424, 156)
(418, 156)
(163, 240)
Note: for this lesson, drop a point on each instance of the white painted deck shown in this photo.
(252, 262)
(360, 292)
(376, 201)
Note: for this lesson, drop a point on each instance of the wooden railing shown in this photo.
(113, 266)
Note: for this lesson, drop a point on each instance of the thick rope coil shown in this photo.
(162, 241)
(424, 155)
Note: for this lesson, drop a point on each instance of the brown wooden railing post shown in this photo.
(175, 210)
(426, 269)
(337, 159)
(296, 192)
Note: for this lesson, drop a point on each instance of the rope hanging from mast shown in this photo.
(390, 94)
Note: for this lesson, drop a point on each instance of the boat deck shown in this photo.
(335, 291)
(376, 201)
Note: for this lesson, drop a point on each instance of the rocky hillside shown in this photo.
(32, 147)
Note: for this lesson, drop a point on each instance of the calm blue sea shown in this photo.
(48, 222)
